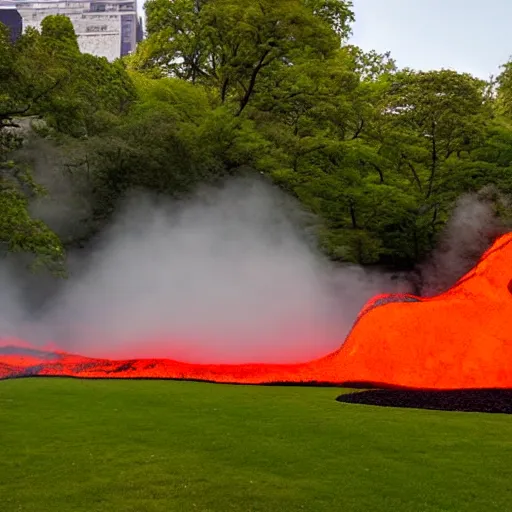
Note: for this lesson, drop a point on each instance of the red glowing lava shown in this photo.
(459, 339)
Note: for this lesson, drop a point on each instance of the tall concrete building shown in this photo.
(11, 18)
(106, 28)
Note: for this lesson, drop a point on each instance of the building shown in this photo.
(11, 18)
(105, 28)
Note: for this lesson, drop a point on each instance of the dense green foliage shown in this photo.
(141, 446)
(44, 76)
(379, 154)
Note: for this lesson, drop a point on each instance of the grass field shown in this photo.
(137, 446)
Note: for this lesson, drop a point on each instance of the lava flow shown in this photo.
(459, 339)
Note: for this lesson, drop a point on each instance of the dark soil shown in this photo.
(464, 400)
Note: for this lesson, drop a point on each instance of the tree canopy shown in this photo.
(379, 154)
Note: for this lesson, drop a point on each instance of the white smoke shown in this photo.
(471, 229)
(227, 277)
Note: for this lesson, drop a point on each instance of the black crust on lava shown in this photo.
(462, 400)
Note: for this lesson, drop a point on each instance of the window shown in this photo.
(98, 7)
(96, 28)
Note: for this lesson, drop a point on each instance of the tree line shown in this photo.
(379, 154)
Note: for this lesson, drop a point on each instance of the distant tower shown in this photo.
(11, 18)
(105, 28)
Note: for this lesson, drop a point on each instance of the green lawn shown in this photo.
(119, 446)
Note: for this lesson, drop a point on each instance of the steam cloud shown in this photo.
(472, 228)
(227, 277)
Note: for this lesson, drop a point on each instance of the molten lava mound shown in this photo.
(461, 400)
(460, 339)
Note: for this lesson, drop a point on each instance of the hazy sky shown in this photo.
(465, 35)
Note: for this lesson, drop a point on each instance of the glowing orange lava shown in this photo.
(459, 339)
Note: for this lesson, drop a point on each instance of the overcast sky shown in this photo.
(465, 35)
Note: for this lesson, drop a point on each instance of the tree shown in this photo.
(59, 37)
(43, 75)
(37, 69)
(232, 45)
(19, 232)
(429, 125)
(379, 155)
(444, 111)
(170, 142)
(46, 76)
(318, 114)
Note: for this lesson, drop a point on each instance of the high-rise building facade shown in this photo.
(106, 28)
(11, 18)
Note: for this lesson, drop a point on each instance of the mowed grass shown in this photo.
(137, 446)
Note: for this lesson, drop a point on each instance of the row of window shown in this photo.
(99, 17)
(100, 7)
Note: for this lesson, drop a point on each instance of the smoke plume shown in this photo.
(471, 229)
(229, 276)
